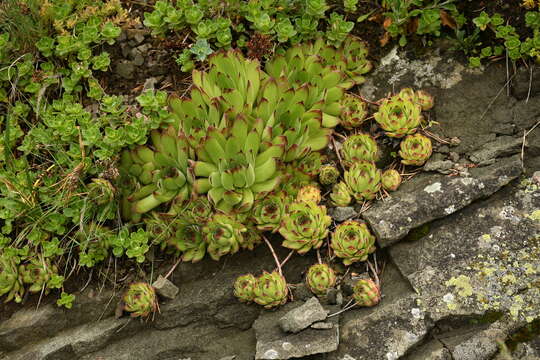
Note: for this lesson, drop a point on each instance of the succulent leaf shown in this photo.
(366, 293)
(352, 241)
(320, 278)
(363, 180)
(140, 300)
(415, 150)
(391, 179)
(270, 290)
(359, 147)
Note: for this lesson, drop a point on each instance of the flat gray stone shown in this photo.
(322, 325)
(342, 213)
(165, 288)
(273, 343)
(501, 146)
(432, 197)
(484, 258)
(433, 350)
(303, 316)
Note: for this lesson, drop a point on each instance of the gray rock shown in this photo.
(536, 177)
(272, 343)
(125, 69)
(529, 350)
(479, 260)
(433, 350)
(303, 316)
(138, 60)
(526, 82)
(427, 198)
(165, 288)
(232, 357)
(322, 325)
(501, 146)
(342, 213)
(441, 166)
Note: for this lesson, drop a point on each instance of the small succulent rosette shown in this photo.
(340, 195)
(320, 278)
(363, 180)
(415, 150)
(328, 174)
(359, 147)
(140, 300)
(366, 293)
(244, 287)
(352, 241)
(391, 179)
(270, 290)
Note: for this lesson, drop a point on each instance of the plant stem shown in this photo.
(276, 259)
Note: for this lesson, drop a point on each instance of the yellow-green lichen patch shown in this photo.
(535, 215)
(462, 284)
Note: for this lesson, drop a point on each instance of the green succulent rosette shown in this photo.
(391, 179)
(310, 165)
(197, 210)
(270, 290)
(140, 300)
(352, 241)
(353, 112)
(415, 150)
(366, 293)
(359, 147)
(252, 238)
(37, 273)
(309, 193)
(244, 287)
(101, 191)
(10, 282)
(268, 211)
(341, 195)
(320, 278)
(328, 174)
(363, 180)
(398, 117)
(425, 100)
(155, 175)
(305, 226)
(189, 239)
(223, 235)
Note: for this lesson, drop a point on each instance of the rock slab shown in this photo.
(435, 197)
(303, 316)
(273, 343)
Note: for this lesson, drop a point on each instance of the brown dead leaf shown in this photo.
(447, 20)
(412, 26)
(385, 39)
(387, 22)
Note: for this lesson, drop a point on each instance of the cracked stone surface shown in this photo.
(303, 316)
(432, 197)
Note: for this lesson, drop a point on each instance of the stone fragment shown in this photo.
(125, 69)
(427, 198)
(272, 343)
(342, 213)
(303, 316)
(441, 166)
(322, 325)
(165, 288)
(501, 146)
(433, 350)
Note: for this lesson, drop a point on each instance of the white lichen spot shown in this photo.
(287, 346)
(347, 357)
(417, 313)
(481, 186)
(271, 354)
(468, 181)
(462, 284)
(452, 255)
(448, 298)
(435, 187)
(392, 355)
(449, 210)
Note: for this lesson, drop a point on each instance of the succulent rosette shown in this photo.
(363, 180)
(224, 235)
(189, 239)
(10, 282)
(197, 210)
(328, 174)
(310, 164)
(140, 299)
(320, 278)
(353, 112)
(244, 287)
(398, 117)
(415, 150)
(101, 191)
(37, 273)
(309, 193)
(391, 179)
(425, 100)
(305, 226)
(352, 241)
(268, 211)
(270, 290)
(359, 147)
(252, 237)
(366, 293)
(340, 195)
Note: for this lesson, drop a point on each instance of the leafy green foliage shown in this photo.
(223, 24)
